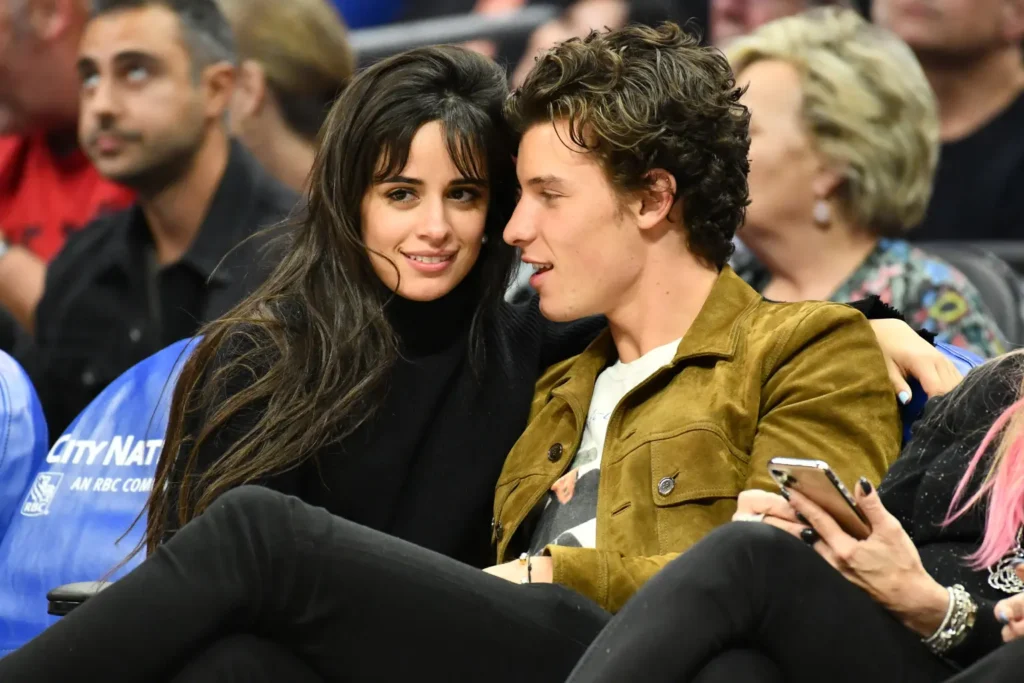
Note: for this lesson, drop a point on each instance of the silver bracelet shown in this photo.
(959, 620)
(525, 559)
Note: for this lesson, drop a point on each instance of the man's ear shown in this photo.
(250, 89)
(655, 202)
(218, 84)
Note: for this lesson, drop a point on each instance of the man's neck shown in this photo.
(971, 92)
(661, 305)
(176, 213)
(811, 263)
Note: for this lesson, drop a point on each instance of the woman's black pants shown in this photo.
(311, 597)
(751, 603)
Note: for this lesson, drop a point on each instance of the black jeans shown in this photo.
(350, 603)
(753, 587)
(1005, 665)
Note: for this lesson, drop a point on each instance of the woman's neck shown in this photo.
(429, 326)
(810, 264)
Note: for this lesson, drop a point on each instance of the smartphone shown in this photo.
(816, 480)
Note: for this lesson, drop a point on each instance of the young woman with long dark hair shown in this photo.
(378, 371)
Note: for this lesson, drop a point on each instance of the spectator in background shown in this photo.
(583, 16)
(731, 19)
(48, 188)
(294, 61)
(844, 142)
(156, 79)
(971, 54)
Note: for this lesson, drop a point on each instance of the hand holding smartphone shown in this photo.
(818, 483)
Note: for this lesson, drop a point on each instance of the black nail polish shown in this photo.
(784, 493)
(802, 519)
(809, 536)
(865, 486)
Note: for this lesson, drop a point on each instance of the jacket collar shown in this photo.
(715, 333)
(229, 219)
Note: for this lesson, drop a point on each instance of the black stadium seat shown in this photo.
(999, 285)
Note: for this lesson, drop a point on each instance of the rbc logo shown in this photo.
(44, 488)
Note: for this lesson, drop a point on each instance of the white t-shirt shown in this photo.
(569, 515)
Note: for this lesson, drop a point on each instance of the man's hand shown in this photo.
(908, 355)
(776, 510)
(515, 571)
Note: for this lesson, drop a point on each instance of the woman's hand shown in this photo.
(908, 355)
(776, 510)
(1010, 612)
(541, 569)
(886, 565)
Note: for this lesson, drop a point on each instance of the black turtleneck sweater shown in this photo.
(423, 468)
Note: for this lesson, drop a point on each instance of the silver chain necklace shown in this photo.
(1001, 575)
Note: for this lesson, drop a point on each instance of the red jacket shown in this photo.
(45, 197)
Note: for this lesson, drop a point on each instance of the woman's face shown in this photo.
(784, 166)
(424, 226)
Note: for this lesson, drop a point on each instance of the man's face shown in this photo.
(143, 117)
(573, 227)
(952, 28)
(730, 19)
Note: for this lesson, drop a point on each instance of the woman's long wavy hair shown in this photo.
(1001, 458)
(309, 352)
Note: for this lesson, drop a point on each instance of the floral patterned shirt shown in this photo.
(928, 291)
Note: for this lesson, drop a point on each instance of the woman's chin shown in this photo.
(425, 291)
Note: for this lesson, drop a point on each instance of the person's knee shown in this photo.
(748, 545)
(248, 508)
(750, 537)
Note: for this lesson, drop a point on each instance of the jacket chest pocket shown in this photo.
(696, 477)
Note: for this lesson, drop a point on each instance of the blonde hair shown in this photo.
(303, 48)
(867, 107)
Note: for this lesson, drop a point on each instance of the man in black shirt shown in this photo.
(971, 53)
(156, 79)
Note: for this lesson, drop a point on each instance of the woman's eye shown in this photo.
(465, 195)
(400, 195)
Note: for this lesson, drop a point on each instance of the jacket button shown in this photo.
(666, 485)
(555, 452)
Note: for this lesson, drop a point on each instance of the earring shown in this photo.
(822, 213)
(483, 240)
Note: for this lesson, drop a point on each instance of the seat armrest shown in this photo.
(65, 598)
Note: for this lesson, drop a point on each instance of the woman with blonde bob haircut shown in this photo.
(844, 146)
(295, 61)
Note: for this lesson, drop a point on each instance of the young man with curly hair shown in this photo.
(633, 164)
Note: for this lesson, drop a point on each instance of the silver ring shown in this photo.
(747, 517)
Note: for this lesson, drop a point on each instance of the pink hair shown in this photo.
(1003, 486)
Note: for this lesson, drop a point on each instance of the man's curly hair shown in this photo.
(644, 98)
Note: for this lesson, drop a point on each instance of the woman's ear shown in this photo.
(827, 180)
(251, 89)
(655, 202)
